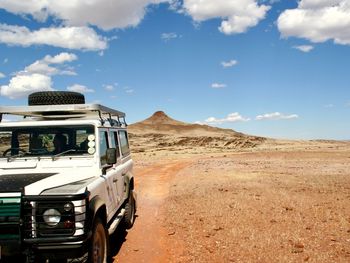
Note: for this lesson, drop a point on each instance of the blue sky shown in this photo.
(270, 68)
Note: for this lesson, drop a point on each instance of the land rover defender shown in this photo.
(66, 180)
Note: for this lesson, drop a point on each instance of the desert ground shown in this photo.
(212, 195)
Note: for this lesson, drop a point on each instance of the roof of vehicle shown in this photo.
(67, 111)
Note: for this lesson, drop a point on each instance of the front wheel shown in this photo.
(130, 208)
(99, 250)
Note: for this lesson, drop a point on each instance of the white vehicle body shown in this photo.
(85, 179)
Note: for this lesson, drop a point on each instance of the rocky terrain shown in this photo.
(166, 133)
(211, 195)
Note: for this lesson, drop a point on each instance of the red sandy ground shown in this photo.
(268, 206)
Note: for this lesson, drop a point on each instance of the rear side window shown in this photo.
(124, 143)
(103, 147)
(114, 141)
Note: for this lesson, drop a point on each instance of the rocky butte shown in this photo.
(161, 131)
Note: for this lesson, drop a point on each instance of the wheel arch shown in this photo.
(129, 182)
(97, 208)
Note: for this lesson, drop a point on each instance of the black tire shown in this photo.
(99, 243)
(130, 209)
(55, 98)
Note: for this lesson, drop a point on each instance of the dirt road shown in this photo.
(290, 206)
(144, 242)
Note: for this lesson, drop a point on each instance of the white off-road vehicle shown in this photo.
(66, 179)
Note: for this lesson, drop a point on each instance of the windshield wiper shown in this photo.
(62, 153)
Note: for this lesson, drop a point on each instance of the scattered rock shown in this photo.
(298, 245)
(217, 228)
(171, 233)
(298, 248)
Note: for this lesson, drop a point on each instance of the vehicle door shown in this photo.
(126, 162)
(108, 172)
(118, 175)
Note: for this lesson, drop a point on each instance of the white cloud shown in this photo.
(328, 106)
(2, 75)
(5, 61)
(237, 16)
(80, 88)
(105, 14)
(60, 58)
(317, 21)
(218, 85)
(228, 64)
(304, 48)
(109, 87)
(276, 116)
(232, 117)
(130, 91)
(168, 36)
(43, 66)
(22, 85)
(37, 76)
(83, 38)
(33, 7)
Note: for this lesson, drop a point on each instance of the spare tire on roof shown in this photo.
(55, 98)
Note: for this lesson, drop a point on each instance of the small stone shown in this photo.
(217, 228)
(211, 250)
(298, 245)
(298, 248)
(171, 233)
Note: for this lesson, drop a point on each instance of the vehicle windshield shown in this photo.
(46, 141)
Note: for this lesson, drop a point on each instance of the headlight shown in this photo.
(52, 217)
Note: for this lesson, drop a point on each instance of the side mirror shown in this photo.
(111, 156)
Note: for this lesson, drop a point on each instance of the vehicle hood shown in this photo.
(43, 181)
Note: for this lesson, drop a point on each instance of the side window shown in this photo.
(103, 147)
(115, 144)
(124, 143)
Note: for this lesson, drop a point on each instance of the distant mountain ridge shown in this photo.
(161, 123)
(159, 132)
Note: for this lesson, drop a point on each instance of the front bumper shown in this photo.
(23, 232)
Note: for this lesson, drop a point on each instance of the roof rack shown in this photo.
(67, 111)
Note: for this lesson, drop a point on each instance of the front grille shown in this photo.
(10, 214)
